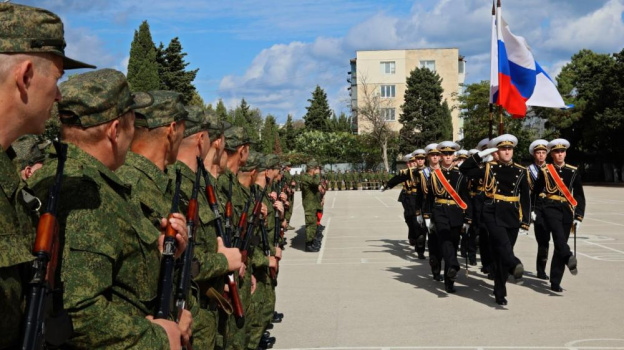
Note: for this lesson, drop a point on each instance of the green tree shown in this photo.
(319, 114)
(197, 100)
(142, 65)
(593, 82)
(172, 69)
(269, 132)
(424, 116)
(289, 134)
(221, 111)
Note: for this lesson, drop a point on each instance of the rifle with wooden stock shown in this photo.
(239, 313)
(43, 284)
(167, 261)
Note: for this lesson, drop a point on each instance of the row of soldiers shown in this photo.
(160, 228)
(352, 180)
(483, 196)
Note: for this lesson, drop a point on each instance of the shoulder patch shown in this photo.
(519, 166)
(571, 167)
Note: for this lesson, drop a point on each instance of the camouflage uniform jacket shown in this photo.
(152, 190)
(109, 258)
(310, 192)
(16, 234)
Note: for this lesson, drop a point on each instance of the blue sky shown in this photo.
(274, 52)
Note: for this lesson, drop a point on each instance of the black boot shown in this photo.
(542, 259)
(277, 317)
(310, 247)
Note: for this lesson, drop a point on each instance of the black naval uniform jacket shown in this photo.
(453, 214)
(502, 184)
(554, 200)
(411, 196)
(533, 172)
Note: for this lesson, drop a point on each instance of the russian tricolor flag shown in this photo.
(516, 79)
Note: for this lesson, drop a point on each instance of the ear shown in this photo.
(113, 131)
(24, 74)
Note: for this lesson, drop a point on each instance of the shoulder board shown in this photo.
(519, 166)
(493, 162)
(571, 167)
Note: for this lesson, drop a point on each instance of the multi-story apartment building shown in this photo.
(384, 72)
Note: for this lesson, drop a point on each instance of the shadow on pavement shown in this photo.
(298, 241)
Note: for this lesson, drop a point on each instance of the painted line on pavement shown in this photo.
(605, 247)
(606, 222)
(334, 202)
(325, 234)
(382, 202)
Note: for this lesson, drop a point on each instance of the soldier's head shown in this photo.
(217, 140)
(30, 153)
(539, 150)
(97, 114)
(160, 128)
(313, 167)
(237, 142)
(273, 166)
(196, 140)
(447, 149)
(505, 144)
(558, 149)
(32, 60)
(419, 155)
(433, 154)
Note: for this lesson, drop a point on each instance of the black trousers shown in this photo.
(448, 240)
(560, 230)
(435, 252)
(542, 236)
(502, 241)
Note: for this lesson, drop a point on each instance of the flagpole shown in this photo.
(501, 126)
(490, 134)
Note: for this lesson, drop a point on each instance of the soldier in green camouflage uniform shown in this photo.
(310, 190)
(213, 259)
(24, 110)
(110, 251)
(290, 189)
(237, 143)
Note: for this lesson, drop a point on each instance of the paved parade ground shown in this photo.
(366, 289)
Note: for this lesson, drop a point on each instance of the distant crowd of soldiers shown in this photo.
(156, 225)
(483, 199)
(352, 180)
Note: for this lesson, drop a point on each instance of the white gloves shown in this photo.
(577, 224)
(533, 216)
(419, 220)
(487, 152)
(428, 224)
(465, 228)
(523, 232)
(382, 189)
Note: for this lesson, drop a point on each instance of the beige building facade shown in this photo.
(384, 73)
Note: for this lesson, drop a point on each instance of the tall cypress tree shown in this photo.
(319, 114)
(222, 113)
(142, 66)
(289, 134)
(173, 74)
(269, 132)
(424, 116)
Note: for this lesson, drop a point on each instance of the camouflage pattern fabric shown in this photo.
(108, 259)
(28, 29)
(166, 109)
(97, 97)
(235, 137)
(17, 230)
(311, 203)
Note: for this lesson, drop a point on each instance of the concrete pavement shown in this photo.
(367, 290)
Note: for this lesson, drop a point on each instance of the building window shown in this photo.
(428, 64)
(387, 67)
(388, 91)
(388, 114)
(462, 67)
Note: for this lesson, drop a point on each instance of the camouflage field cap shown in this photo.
(272, 161)
(97, 97)
(166, 109)
(30, 150)
(25, 29)
(312, 163)
(254, 161)
(216, 127)
(196, 120)
(235, 137)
